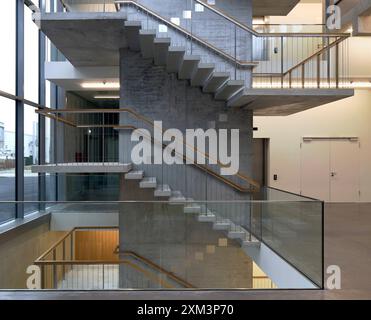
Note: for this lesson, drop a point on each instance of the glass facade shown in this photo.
(28, 67)
(31, 57)
(7, 113)
(7, 157)
(31, 145)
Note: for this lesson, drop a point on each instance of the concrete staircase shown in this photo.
(204, 215)
(187, 67)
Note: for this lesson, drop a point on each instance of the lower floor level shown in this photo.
(347, 245)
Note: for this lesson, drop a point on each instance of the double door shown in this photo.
(330, 169)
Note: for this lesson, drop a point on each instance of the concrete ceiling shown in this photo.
(101, 103)
(273, 7)
(87, 39)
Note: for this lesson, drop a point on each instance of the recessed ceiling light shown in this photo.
(100, 85)
(106, 97)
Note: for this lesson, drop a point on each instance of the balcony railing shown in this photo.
(166, 245)
(96, 135)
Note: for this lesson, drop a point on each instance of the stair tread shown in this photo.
(163, 190)
(177, 49)
(177, 196)
(148, 183)
(147, 32)
(191, 57)
(162, 41)
(133, 24)
(135, 175)
(206, 65)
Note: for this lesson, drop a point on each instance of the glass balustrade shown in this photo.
(176, 243)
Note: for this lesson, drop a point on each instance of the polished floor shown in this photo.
(347, 244)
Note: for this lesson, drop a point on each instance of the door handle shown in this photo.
(333, 174)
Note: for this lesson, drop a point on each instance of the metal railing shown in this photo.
(279, 59)
(277, 55)
(79, 122)
(62, 267)
(169, 242)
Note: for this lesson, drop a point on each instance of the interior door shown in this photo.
(330, 170)
(344, 171)
(315, 168)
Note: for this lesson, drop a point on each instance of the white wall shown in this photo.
(359, 57)
(305, 12)
(348, 117)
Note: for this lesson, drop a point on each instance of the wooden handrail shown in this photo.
(157, 267)
(64, 237)
(41, 262)
(244, 177)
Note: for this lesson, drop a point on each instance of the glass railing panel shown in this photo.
(174, 244)
(294, 231)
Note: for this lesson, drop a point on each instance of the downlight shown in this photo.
(101, 85)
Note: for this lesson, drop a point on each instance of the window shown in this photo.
(30, 158)
(31, 57)
(7, 110)
(7, 52)
(31, 92)
(7, 158)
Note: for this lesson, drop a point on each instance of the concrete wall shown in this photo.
(163, 233)
(157, 95)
